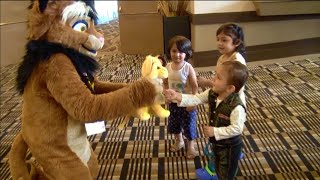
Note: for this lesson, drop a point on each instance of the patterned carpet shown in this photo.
(281, 135)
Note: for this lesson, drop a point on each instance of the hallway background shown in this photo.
(281, 135)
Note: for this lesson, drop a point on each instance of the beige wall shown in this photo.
(13, 30)
(205, 7)
(257, 33)
(267, 8)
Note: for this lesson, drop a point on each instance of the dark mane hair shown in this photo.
(38, 51)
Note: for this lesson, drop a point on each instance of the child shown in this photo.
(227, 115)
(230, 41)
(181, 78)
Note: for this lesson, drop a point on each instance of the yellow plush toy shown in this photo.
(152, 68)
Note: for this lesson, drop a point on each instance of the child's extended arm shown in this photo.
(237, 119)
(185, 100)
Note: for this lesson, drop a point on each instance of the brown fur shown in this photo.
(56, 104)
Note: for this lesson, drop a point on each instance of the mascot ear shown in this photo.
(89, 3)
(43, 5)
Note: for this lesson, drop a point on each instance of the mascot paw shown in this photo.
(144, 116)
(164, 113)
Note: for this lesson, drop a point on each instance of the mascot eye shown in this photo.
(80, 26)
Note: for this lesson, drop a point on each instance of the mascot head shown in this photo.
(69, 23)
(66, 27)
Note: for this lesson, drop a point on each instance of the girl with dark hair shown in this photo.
(235, 32)
(182, 78)
(230, 42)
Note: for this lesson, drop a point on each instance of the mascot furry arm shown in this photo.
(60, 93)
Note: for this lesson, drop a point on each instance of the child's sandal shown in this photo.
(191, 153)
(176, 147)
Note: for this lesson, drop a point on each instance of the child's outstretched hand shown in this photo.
(208, 131)
(171, 95)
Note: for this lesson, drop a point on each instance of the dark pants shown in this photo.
(227, 160)
(180, 118)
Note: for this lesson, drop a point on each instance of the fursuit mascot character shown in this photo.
(60, 93)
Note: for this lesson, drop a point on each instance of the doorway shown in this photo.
(107, 11)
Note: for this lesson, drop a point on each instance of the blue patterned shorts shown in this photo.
(181, 119)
